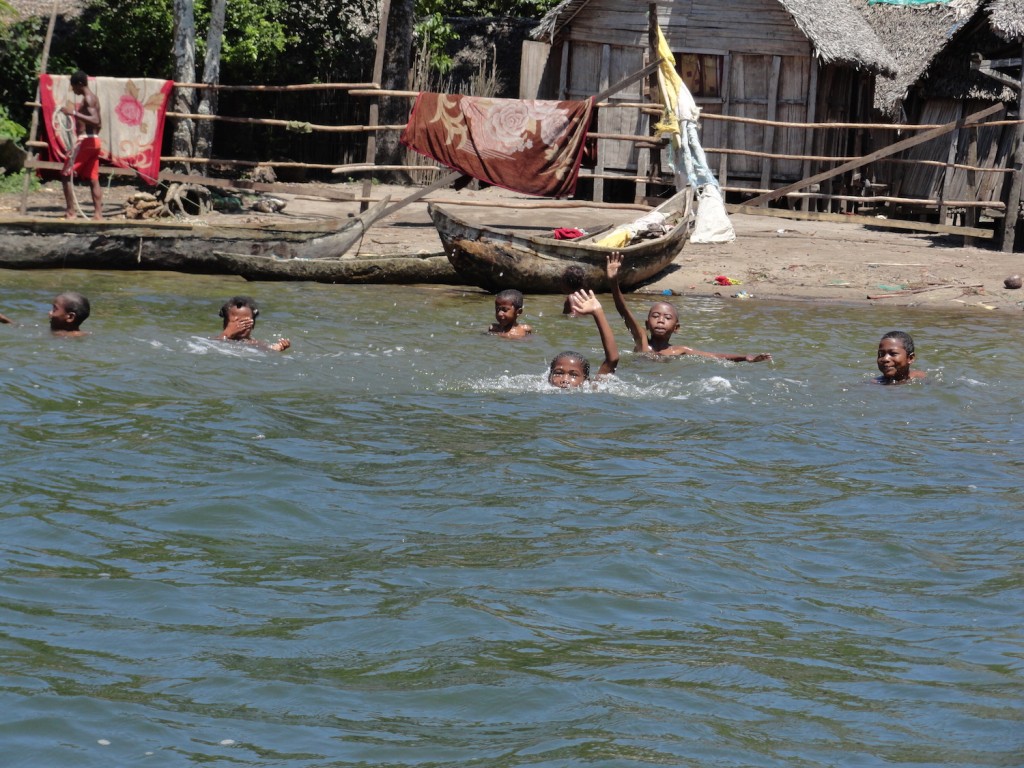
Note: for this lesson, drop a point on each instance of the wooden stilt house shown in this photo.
(760, 62)
(957, 174)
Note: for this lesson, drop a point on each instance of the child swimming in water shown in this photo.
(67, 314)
(571, 369)
(662, 322)
(508, 306)
(239, 314)
(895, 355)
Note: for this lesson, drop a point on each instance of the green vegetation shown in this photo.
(436, 34)
(15, 182)
(10, 129)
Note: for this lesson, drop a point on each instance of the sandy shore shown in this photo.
(771, 258)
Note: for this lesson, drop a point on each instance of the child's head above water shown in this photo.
(69, 311)
(238, 305)
(508, 306)
(510, 296)
(573, 278)
(662, 320)
(895, 354)
(569, 369)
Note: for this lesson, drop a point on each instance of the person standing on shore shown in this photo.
(84, 157)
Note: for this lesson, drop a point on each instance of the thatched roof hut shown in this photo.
(837, 33)
(1007, 19)
(915, 35)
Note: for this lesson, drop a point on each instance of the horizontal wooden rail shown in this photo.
(994, 205)
(382, 92)
(297, 125)
(866, 126)
(278, 88)
(864, 221)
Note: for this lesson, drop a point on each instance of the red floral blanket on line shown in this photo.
(525, 145)
(132, 112)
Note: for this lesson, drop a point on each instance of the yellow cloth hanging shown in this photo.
(670, 83)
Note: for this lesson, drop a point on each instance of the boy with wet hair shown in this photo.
(68, 312)
(239, 314)
(571, 369)
(662, 322)
(508, 306)
(895, 355)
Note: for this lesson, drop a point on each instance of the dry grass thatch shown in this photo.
(1007, 19)
(840, 35)
(27, 9)
(837, 32)
(915, 35)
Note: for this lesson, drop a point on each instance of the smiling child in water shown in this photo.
(662, 322)
(571, 369)
(895, 354)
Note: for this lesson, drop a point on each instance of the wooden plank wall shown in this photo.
(535, 74)
(766, 74)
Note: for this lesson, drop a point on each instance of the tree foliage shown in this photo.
(436, 33)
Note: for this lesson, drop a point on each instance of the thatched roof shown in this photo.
(27, 9)
(1007, 19)
(950, 76)
(838, 34)
(915, 34)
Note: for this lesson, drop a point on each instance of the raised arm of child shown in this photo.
(586, 303)
(636, 330)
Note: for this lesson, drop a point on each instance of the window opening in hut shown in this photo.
(702, 73)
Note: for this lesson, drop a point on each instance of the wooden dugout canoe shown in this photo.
(183, 246)
(495, 259)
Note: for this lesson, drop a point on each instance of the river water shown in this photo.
(396, 545)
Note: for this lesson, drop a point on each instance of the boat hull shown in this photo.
(495, 260)
(401, 270)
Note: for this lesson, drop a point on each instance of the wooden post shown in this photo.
(604, 77)
(971, 214)
(563, 72)
(33, 130)
(723, 160)
(769, 131)
(947, 173)
(1009, 232)
(654, 164)
(378, 73)
(810, 116)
